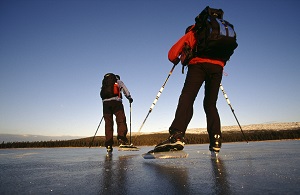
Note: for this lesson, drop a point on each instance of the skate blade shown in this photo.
(214, 155)
(165, 155)
(109, 155)
(128, 148)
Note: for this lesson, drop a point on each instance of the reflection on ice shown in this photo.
(220, 177)
(166, 178)
(254, 168)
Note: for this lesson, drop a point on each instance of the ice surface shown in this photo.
(255, 168)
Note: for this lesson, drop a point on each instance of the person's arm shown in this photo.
(124, 90)
(176, 49)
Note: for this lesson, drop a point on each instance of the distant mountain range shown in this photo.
(30, 138)
(272, 126)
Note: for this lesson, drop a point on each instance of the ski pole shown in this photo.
(156, 98)
(96, 132)
(228, 102)
(130, 125)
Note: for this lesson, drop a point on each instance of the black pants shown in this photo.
(211, 74)
(116, 108)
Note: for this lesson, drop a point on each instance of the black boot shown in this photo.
(174, 142)
(215, 143)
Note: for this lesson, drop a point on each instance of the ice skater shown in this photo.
(111, 96)
(202, 67)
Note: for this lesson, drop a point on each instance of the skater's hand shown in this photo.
(176, 61)
(130, 100)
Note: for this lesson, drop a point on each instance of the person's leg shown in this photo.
(121, 123)
(184, 112)
(212, 84)
(109, 124)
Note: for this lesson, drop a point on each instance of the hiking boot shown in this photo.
(109, 149)
(174, 142)
(122, 140)
(215, 143)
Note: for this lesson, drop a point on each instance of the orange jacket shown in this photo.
(189, 38)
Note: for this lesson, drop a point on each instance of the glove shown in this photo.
(130, 100)
(176, 61)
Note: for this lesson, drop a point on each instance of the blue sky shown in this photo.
(54, 53)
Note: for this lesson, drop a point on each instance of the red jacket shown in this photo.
(189, 38)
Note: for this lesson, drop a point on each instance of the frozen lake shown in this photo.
(256, 168)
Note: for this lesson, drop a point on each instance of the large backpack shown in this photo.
(109, 82)
(216, 38)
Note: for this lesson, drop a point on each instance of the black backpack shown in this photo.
(107, 89)
(216, 37)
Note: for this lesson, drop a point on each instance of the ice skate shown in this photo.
(215, 146)
(173, 143)
(109, 150)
